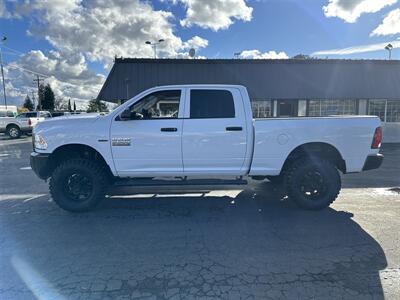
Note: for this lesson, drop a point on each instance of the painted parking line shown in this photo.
(24, 197)
(25, 168)
(34, 197)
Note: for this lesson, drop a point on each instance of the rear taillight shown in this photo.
(29, 122)
(377, 140)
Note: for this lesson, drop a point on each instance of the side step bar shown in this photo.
(178, 182)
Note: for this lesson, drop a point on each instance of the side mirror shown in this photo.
(125, 115)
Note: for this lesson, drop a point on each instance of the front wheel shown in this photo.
(312, 184)
(13, 131)
(78, 185)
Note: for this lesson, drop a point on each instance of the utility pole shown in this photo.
(33, 100)
(2, 71)
(38, 80)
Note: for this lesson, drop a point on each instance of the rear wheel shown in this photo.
(312, 184)
(13, 131)
(78, 185)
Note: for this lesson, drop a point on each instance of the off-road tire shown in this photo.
(14, 132)
(330, 177)
(94, 171)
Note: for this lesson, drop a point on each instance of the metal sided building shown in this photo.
(277, 88)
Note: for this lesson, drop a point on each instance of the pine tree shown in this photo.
(96, 105)
(74, 106)
(28, 104)
(48, 98)
(69, 105)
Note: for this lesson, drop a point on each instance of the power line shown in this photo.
(27, 70)
(11, 49)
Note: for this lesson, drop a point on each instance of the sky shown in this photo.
(71, 44)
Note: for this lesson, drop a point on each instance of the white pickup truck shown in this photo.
(14, 127)
(187, 132)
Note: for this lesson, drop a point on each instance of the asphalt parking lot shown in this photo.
(248, 243)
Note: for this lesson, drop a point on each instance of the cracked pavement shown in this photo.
(248, 243)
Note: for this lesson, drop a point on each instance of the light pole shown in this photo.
(3, 40)
(389, 48)
(154, 45)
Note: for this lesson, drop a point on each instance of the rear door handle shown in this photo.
(234, 128)
(169, 129)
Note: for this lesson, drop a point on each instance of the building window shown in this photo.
(331, 107)
(261, 109)
(393, 111)
(386, 110)
(287, 108)
(377, 108)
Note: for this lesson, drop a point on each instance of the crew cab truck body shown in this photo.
(190, 131)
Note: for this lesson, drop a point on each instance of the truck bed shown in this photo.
(276, 138)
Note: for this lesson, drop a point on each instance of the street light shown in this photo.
(3, 40)
(154, 45)
(389, 48)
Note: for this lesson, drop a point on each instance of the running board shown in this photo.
(178, 182)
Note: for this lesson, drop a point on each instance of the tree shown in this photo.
(302, 56)
(69, 105)
(48, 98)
(60, 103)
(28, 104)
(74, 106)
(96, 105)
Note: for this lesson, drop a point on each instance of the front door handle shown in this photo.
(234, 128)
(169, 129)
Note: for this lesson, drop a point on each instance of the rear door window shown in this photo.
(30, 115)
(210, 104)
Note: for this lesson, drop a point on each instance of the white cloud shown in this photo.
(215, 14)
(351, 10)
(3, 10)
(95, 30)
(256, 54)
(195, 42)
(390, 24)
(357, 49)
(69, 77)
(101, 29)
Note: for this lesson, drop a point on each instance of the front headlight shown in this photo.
(40, 142)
